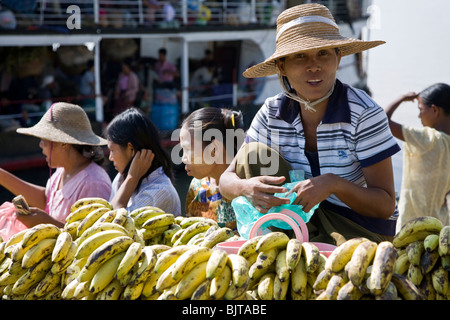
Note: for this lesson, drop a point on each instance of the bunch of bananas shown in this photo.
(33, 261)
(281, 268)
(423, 247)
(197, 273)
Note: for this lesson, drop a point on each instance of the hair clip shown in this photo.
(232, 119)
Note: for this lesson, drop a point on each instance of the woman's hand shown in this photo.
(258, 191)
(37, 216)
(141, 162)
(312, 191)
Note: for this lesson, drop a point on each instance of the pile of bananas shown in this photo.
(281, 268)
(423, 247)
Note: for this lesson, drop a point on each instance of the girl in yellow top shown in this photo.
(210, 139)
(425, 189)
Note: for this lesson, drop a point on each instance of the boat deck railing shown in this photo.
(61, 15)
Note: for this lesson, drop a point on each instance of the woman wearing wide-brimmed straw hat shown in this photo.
(69, 145)
(337, 134)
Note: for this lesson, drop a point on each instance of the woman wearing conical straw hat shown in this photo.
(333, 132)
(74, 150)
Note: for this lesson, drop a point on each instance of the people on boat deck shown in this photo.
(145, 174)
(425, 188)
(74, 150)
(333, 132)
(209, 138)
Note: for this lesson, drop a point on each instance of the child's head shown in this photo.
(437, 94)
(433, 98)
(132, 131)
(210, 136)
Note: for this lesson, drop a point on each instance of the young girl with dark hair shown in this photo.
(425, 189)
(145, 174)
(210, 138)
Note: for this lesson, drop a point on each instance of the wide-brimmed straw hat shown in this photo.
(306, 27)
(66, 123)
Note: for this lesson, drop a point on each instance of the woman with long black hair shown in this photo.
(145, 174)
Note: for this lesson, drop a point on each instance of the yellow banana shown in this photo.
(264, 260)
(62, 265)
(137, 211)
(445, 261)
(220, 284)
(216, 263)
(431, 242)
(280, 289)
(103, 253)
(152, 232)
(444, 240)
(361, 259)
(189, 259)
(191, 231)
(8, 278)
(95, 241)
(188, 221)
(293, 253)
(54, 294)
(81, 290)
(334, 285)
(401, 264)
(143, 216)
(416, 229)
(248, 248)
(105, 274)
(130, 226)
(322, 280)
(198, 238)
(312, 256)
(62, 246)
(190, 281)
(414, 252)
(81, 212)
(272, 240)
(168, 234)
(239, 270)
(121, 216)
(130, 258)
(167, 258)
(72, 228)
(90, 219)
(15, 267)
(414, 274)
(15, 238)
(349, 292)
(47, 284)
(146, 266)
(104, 226)
(164, 219)
(69, 290)
(389, 294)
(426, 288)
(166, 281)
(439, 278)
(38, 252)
(234, 292)
(133, 291)
(429, 260)
(342, 254)
(108, 216)
(176, 236)
(405, 287)
(299, 280)
(89, 200)
(111, 292)
(217, 236)
(265, 286)
(16, 251)
(32, 276)
(40, 232)
(281, 268)
(382, 267)
(202, 291)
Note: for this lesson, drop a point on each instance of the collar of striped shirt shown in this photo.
(338, 109)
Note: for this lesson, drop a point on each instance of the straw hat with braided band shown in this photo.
(307, 27)
(66, 123)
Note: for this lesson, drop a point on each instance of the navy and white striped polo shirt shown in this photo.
(354, 133)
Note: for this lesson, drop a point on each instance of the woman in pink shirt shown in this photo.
(69, 145)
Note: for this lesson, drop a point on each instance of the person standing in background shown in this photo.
(425, 188)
